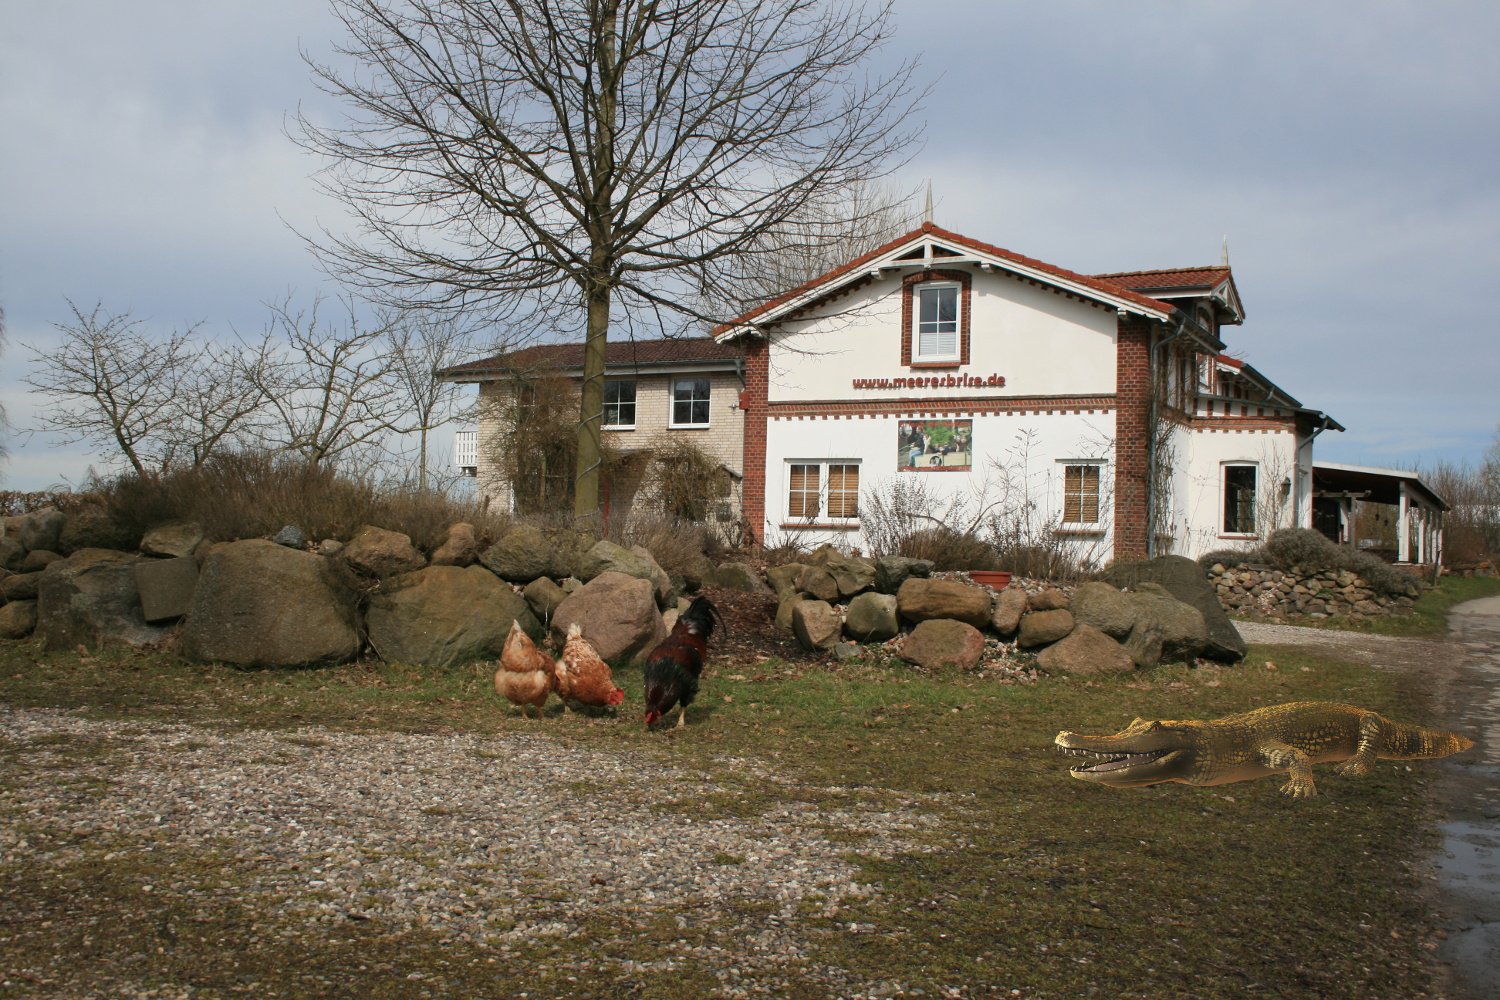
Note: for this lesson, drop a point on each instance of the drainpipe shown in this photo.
(1151, 419)
(1297, 502)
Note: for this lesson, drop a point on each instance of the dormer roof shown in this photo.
(1171, 284)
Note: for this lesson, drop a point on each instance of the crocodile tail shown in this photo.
(1417, 742)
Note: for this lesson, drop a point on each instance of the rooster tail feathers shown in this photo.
(701, 616)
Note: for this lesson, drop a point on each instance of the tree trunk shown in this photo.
(591, 409)
(422, 469)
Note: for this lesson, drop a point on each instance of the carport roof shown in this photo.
(1382, 485)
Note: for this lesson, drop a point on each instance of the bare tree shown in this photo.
(326, 384)
(599, 154)
(417, 346)
(157, 402)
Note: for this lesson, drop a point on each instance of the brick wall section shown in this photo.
(1132, 392)
(753, 401)
(908, 286)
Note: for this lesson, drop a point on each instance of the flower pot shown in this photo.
(990, 578)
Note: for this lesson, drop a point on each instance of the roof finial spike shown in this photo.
(1224, 252)
(927, 212)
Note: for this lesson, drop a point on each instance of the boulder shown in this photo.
(1144, 642)
(607, 557)
(542, 597)
(820, 555)
(261, 604)
(89, 599)
(521, 556)
(872, 618)
(1105, 608)
(89, 526)
(20, 586)
(736, 576)
(570, 584)
(697, 569)
(178, 538)
(1184, 634)
(1185, 580)
(166, 586)
(944, 642)
(616, 613)
(37, 560)
(1010, 605)
(1085, 650)
(783, 579)
(817, 581)
(291, 536)
(666, 591)
(852, 574)
(1042, 627)
(17, 619)
(892, 571)
(1050, 599)
(847, 651)
(203, 551)
(785, 607)
(924, 600)
(12, 554)
(329, 547)
(460, 548)
(815, 625)
(445, 615)
(40, 529)
(378, 552)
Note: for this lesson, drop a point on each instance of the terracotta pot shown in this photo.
(990, 578)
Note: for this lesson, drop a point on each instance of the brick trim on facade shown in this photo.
(919, 406)
(753, 465)
(1132, 395)
(908, 293)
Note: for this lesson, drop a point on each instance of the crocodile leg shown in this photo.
(1279, 757)
(1368, 751)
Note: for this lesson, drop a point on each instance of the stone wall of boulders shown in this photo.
(832, 601)
(1260, 591)
(288, 601)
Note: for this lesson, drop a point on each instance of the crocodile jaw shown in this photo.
(1119, 769)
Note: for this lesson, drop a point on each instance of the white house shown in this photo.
(1100, 409)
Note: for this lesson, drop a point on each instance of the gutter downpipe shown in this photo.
(1152, 414)
(1323, 426)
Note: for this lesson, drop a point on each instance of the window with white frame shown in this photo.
(619, 404)
(1239, 499)
(1081, 494)
(936, 319)
(822, 490)
(690, 402)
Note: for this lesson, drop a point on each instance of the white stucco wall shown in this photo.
(1199, 512)
(1044, 344)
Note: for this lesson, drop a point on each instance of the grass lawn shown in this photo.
(1040, 885)
(1429, 619)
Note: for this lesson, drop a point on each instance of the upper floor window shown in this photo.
(1239, 499)
(690, 402)
(619, 404)
(936, 335)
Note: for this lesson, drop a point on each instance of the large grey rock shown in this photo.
(291, 536)
(40, 529)
(12, 554)
(666, 593)
(528, 552)
(852, 574)
(90, 599)
(459, 548)
(944, 642)
(892, 571)
(1085, 650)
(1042, 627)
(817, 581)
(1144, 642)
(543, 597)
(925, 600)
(38, 559)
(17, 619)
(1184, 634)
(872, 618)
(378, 552)
(1010, 605)
(736, 576)
(445, 615)
(89, 526)
(617, 615)
(1105, 608)
(179, 538)
(20, 586)
(1152, 615)
(607, 557)
(1185, 580)
(260, 604)
(815, 625)
(166, 586)
(784, 608)
(1050, 599)
(783, 579)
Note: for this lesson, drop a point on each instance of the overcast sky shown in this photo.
(1349, 151)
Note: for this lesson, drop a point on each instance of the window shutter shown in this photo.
(802, 500)
(843, 491)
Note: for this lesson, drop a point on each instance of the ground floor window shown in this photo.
(1080, 494)
(822, 490)
(1239, 499)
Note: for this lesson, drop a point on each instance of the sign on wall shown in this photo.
(934, 445)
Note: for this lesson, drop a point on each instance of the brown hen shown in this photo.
(525, 674)
(580, 675)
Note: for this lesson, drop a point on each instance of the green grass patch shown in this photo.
(1428, 620)
(1029, 880)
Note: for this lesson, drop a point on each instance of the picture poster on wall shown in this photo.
(934, 445)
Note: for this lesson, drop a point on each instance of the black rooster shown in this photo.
(673, 668)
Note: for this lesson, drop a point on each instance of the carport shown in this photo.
(1419, 517)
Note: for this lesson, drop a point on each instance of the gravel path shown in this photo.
(498, 841)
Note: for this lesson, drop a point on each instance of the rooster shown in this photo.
(580, 675)
(525, 674)
(673, 668)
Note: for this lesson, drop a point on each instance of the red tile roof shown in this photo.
(1169, 277)
(678, 350)
(1111, 289)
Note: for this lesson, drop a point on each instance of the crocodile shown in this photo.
(1290, 737)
